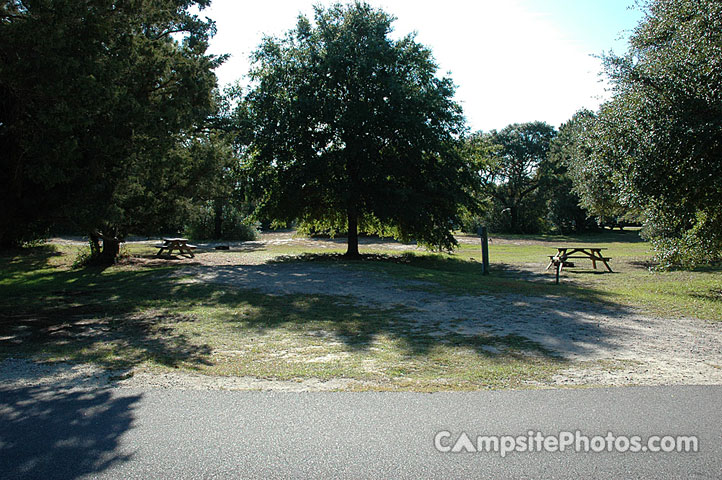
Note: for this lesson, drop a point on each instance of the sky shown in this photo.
(513, 61)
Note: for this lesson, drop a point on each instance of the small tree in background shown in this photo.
(577, 148)
(567, 210)
(479, 151)
(220, 206)
(353, 130)
(514, 174)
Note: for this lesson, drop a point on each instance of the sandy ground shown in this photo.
(22, 373)
(607, 345)
(647, 350)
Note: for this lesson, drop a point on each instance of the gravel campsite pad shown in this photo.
(648, 350)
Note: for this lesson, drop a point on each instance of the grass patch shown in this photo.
(148, 318)
(144, 316)
(518, 266)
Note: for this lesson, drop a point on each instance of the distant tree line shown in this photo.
(111, 123)
(525, 183)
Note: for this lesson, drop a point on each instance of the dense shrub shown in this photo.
(225, 223)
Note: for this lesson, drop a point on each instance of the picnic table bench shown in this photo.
(565, 253)
(180, 244)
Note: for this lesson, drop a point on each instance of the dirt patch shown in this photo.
(21, 373)
(604, 343)
(659, 350)
(189, 381)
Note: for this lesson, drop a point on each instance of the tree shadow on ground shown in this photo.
(712, 294)
(515, 272)
(152, 258)
(645, 264)
(116, 319)
(122, 318)
(432, 306)
(243, 247)
(49, 432)
(24, 259)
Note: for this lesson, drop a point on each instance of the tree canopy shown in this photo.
(585, 185)
(564, 209)
(352, 129)
(99, 101)
(514, 173)
(659, 138)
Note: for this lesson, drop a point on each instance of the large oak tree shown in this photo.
(660, 136)
(100, 100)
(354, 130)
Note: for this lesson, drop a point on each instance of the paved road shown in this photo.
(117, 433)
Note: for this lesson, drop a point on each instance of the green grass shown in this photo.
(144, 317)
(134, 318)
(518, 266)
(634, 284)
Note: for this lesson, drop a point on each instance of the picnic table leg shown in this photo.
(560, 266)
(594, 263)
(553, 261)
(607, 265)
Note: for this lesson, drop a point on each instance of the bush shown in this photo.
(564, 215)
(685, 242)
(471, 223)
(235, 224)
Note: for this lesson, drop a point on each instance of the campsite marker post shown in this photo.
(484, 250)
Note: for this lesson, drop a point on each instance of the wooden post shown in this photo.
(484, 250)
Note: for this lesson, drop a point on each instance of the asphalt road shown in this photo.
(123, 434)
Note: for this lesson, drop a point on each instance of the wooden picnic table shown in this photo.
(565, 253)
(180, 244)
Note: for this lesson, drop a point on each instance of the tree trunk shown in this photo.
(94, 244)
(6, 242)
(217, 219)
(514, 220)
(352, 250)
(111, 249)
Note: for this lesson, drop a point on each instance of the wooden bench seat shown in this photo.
(600, 259)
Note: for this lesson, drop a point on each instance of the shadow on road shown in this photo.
(47, 433)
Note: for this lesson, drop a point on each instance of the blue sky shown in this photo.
(596, 24)
(513, 60)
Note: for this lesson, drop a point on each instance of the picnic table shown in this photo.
(565, 253)
(180, 244)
